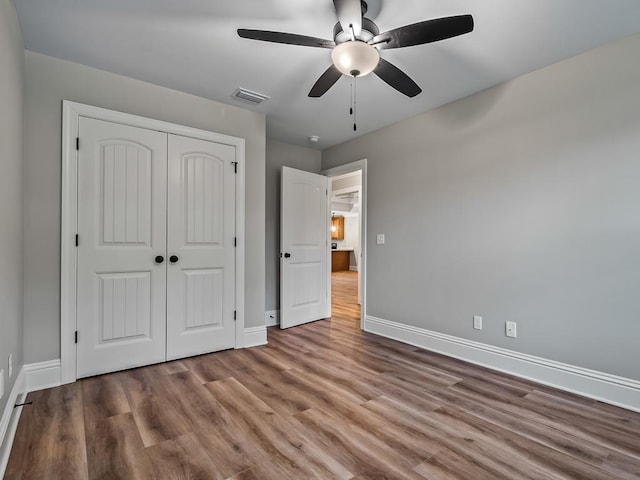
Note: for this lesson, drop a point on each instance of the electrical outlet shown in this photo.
(477, 322)
(1, 383)
(10, 365)
(380, 238)
(511, 330)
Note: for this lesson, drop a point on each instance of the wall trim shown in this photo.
(9, 420)
(272, 318)
(353, 268)
(41, 375)
(32, 377)
(612, 389)
(254, 336)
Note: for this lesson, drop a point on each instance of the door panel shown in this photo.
(201, 226)
(124, 300)
(304, 264)
(122, 227)
(125, 203)
(204, 302)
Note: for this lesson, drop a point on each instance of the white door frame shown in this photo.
(341, 170)
(71, 113)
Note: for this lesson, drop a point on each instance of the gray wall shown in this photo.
(11, 235)
(278, 155)
(518, 203)
(48, 82)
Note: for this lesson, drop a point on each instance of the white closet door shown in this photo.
(200, 249)
(121, 316)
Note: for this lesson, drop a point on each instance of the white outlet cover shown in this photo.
(380, 238)
(511, 330)
(477, 322)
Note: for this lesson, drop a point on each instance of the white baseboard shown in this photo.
(254, 336)
(43, 375)
(272, 318)
(619, 391)
(32, 377)
(353, 268)
(9, 420)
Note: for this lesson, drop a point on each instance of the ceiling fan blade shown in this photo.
(349, 14)
(424, 32)
(286, 38)
(397, 78)
(325, 82)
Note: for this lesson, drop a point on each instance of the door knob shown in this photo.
(159, 259)
(287, 255)
(173, 258)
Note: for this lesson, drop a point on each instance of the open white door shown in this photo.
(304, 254)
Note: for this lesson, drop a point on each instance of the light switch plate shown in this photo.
(380, 238)
(477, 322)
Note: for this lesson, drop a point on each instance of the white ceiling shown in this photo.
(192, 45)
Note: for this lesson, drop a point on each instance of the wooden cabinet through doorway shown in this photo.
(337, 228)
(340, 260)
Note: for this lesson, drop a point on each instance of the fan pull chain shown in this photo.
(355, 102)
(351, 102)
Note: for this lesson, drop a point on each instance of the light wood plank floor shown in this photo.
(323, 400)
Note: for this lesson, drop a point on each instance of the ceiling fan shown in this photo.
(357, 42)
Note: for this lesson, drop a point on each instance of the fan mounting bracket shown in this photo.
(369, 30)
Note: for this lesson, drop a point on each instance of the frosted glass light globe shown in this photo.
(355, 58)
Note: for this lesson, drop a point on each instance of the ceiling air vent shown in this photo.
(249, 96)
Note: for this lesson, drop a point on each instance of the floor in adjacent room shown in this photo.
(323, 400)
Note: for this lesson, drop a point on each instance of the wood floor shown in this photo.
(323, 400)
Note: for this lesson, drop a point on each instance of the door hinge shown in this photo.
(77, 240)
(76, 336)
(235, 314)
(77, 143)
(235, 167)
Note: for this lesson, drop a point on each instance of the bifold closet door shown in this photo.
(200, 247)
(121, 278)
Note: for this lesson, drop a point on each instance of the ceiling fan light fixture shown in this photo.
(355, 58)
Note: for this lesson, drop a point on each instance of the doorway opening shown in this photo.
(345, 246)
(347, 190)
